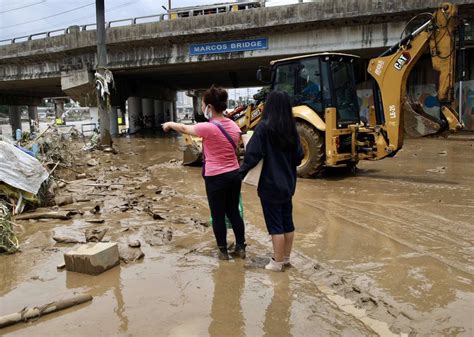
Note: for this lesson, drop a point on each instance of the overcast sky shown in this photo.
(24, 17)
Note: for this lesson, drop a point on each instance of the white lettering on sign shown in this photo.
(227, 47)
(404, 58)
(392, 110)
(379, 67)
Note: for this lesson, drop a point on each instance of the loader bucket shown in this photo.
(191, 156)
(192, 150)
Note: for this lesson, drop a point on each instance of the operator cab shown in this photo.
(320, 81)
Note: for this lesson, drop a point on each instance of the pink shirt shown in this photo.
(218, 152)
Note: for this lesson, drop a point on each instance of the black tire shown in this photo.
(352, 168)
(312, 141)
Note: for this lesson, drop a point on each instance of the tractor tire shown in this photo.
(312, 141)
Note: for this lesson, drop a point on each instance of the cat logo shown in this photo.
(402, 60)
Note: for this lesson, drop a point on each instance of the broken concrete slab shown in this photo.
(63, 200)
(128, 254)
(67, 236)
(95, 235)
(92, 258)
(92, 162)
(134, 244)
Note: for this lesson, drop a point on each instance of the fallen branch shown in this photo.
(36, 312)
(61, 215)
(69, 168)
(54, 168)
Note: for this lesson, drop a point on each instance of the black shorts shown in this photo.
(278, 217)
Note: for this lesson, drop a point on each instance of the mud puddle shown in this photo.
(385, 252)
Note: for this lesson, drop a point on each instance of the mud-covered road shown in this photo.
(386, 252)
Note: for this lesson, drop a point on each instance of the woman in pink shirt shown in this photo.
(220, 168)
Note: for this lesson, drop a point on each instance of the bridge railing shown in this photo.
(87, 27)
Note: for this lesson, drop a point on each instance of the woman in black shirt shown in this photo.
(276, 141)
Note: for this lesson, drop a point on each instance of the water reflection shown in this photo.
(226, 311)
(98, 286)
(277, 316)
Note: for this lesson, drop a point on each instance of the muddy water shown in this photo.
(385, 252)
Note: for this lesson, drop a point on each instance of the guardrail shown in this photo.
(86, 27)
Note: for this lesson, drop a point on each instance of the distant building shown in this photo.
(184, 106)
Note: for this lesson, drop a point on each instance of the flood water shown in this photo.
(388, 251)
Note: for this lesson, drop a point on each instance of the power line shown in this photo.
(68, 22)
(88, 16)
(47, 17)
(26, 6)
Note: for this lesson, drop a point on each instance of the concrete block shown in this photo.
(92, 258)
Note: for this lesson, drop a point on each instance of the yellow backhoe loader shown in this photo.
(325, 105)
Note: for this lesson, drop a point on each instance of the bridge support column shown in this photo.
(15, 119)
(59, 111)
(148, 112)
(134, 114)
(113, 121)
(33, 118)
(174, 112)
(159, 116)
(196, 106)
(169, 113)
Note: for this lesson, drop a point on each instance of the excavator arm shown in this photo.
(391, 69)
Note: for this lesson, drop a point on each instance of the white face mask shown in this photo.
(207, 112)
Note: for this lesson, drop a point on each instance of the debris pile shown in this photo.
(29, 175)
(8, 241)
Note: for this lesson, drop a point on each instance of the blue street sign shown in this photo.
(228, 46)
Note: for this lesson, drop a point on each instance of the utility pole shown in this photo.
(169, 4)
(103, 104)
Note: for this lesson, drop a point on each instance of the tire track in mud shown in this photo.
(398, 219)
(351, 219)
(424, 215)
(419, 228)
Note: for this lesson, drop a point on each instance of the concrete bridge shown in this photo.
(153, 60)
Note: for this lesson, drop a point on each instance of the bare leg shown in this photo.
(278, 241)
(288, 243)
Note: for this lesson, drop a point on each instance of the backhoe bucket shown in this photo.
(418, 123)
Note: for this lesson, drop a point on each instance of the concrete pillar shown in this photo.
(148, 112)
(174, 111)
(33, 118)
(158, 110)
(113, 121)
(59, 111)
(196, 106)
(94, 113)
(168, 111)
(15, 119)
(135, 118)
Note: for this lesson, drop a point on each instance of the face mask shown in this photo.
(207, 112)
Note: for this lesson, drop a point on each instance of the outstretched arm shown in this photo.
(183, 128)
(254, 152)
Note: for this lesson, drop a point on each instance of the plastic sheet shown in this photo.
(20, 170)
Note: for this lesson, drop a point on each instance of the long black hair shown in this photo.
(279, 121)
